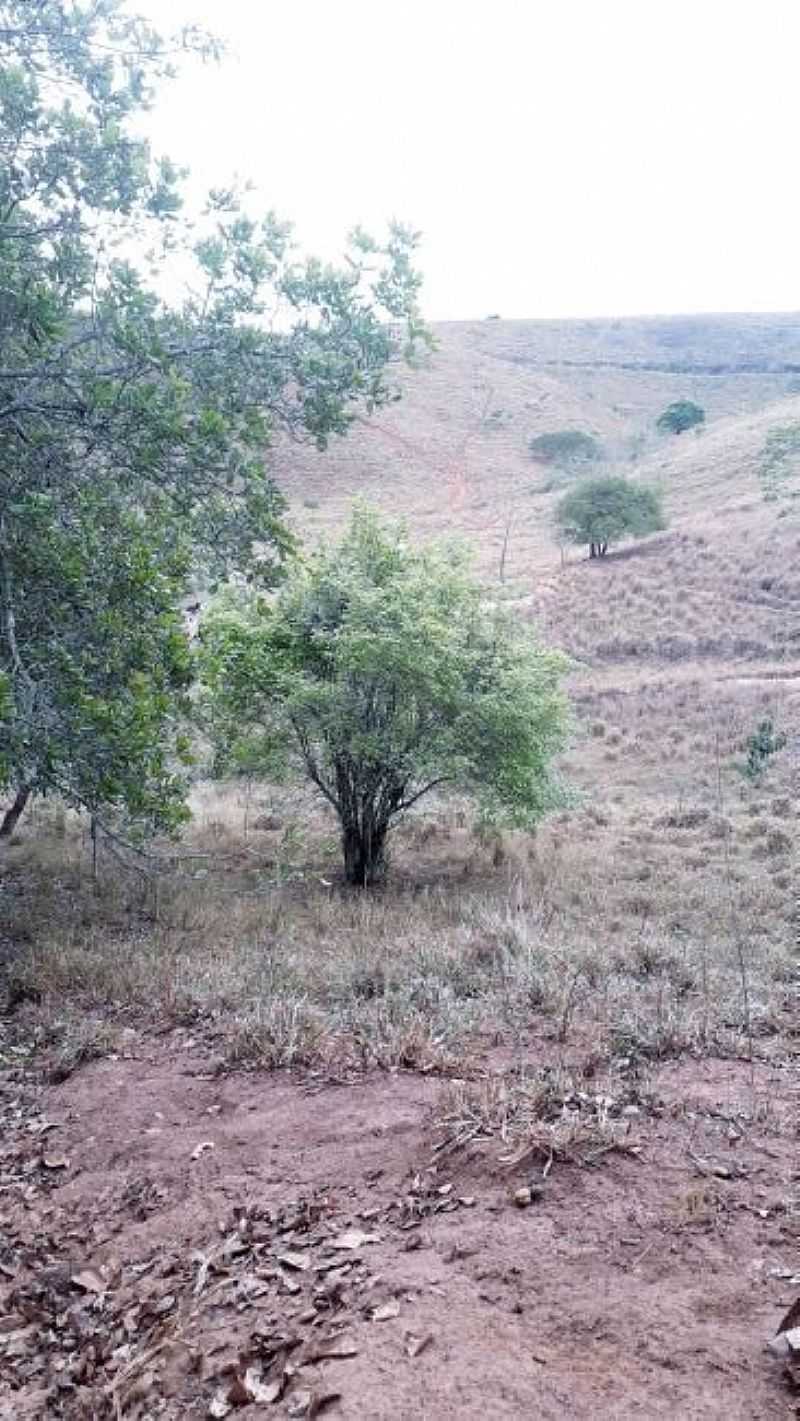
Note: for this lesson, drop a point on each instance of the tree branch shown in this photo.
(407, 803)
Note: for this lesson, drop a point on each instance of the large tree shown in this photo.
(382, 675)
(602, 511)
(133, 428)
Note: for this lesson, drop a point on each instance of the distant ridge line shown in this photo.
(741, 367)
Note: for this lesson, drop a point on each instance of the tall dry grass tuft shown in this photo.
(591, 934)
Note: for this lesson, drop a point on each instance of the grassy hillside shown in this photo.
(453, 455)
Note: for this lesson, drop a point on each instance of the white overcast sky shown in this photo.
(561, 157)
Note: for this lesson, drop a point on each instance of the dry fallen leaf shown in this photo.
(201, 1148)
(298, 1261)
(204, 1264)
(270, 1391)
(260, 1390)
(238, 1393)
(320, 1400)
(791, 1319)
(41, 1127)
(415, 1345)
(248, 1386)
(12, 1322)
(354, 1238)
(385, 1311)
(219, 1407)
(55, 1162)
(328, 1348)
(89, 1281)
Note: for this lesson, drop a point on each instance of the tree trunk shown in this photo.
(603, 549)
(592, 550)
(364, 858)
(12, 814)
(504, 551)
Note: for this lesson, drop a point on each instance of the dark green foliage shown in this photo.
(381, 671)
(680, 416)
(98, 656)
(601, 511)
(133, 432)
(761, 746)
(565, 446)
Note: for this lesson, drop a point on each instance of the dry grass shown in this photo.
(678, 599)
(536, 1118)
(584, 936)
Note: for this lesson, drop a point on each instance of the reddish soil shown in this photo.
(138, 1269)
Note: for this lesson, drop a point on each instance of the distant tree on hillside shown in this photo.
(380, 674)
(601, 511)
(565, 446)
(680, 416)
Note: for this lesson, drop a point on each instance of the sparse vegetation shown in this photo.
(680, 416)
(603, 511)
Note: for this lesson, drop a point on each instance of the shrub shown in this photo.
(760, 747)
(565, 446)
(680, 416)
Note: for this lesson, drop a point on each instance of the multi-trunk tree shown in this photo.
(379, 673)
(599, 512)
(134, 428)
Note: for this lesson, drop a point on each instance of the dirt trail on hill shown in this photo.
(161, 1221)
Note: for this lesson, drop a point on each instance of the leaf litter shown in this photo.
(103, 1339)
(88, 1336)
(242, 1321)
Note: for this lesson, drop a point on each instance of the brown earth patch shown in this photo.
(166, 1227)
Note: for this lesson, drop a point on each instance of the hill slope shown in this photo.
(453, 455)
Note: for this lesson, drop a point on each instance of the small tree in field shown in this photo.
(680, 416)
(760, 747)
(378, 672)
(601, 511)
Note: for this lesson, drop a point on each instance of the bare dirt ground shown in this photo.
(175, 1243)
